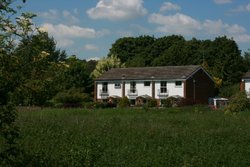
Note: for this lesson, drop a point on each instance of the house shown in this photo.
(191, 82)
(245, 83)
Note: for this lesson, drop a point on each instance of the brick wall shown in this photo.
(199, 88)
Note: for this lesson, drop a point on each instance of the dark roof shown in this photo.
(246, 75)
(142, 73)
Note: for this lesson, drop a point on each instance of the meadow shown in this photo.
(186, 136)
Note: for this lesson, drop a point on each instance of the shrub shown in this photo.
(173, 101)
(89, 105)
(152, 103)
(186, 102)
(166, 103)
(229, 91)
(100, 105)
(9, 148)
(113, 102)
(70, 98)
(123, 102)
(239, 102)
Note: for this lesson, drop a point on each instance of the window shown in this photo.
(117, 85)
(178, 83)
(147, 83)
(163, 87)
(105, 87)
(132, 87)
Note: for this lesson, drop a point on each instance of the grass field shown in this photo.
(189, 136)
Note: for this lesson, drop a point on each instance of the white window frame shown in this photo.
(117, 85)
(105, 87)
(178, 86)
(163, 87)
(147, 82)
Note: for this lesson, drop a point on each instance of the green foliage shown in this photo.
(12, 27)
(173, 102)
(152, 103)
(76, 75)
(167, 103)
(221, 55)
(9, 148)
(38, 69)
(106, 64)
(247, 59)
(129, 47)
(42, 71)
(123, 102)
(102, 105)
(71, 98)
(238, 103)
(229, 91)
(133, 137)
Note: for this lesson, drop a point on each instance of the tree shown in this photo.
(222, 54)
(106, 64)
(76, 75)
(10, 30)
(91, 65)
(36, 71)
(128, 47)
(247, 59)
(228, 62)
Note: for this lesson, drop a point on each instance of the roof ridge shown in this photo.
(157, 67)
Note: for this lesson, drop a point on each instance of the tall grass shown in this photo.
(190, 136)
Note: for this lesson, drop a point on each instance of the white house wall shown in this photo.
(98, 87)
(141, 89)
(171, 88)
(114, 91)
(175, 90)
(247, 85)
(145, 90)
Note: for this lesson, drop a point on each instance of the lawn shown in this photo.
(189, 136)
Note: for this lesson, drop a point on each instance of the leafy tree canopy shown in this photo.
(222, 56)
(106, 64)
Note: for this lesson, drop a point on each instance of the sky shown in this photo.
(88, 28)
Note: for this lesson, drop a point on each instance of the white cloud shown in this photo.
(102, 33)
(140, 29)
(236, 29)
(222, 1)
(62, 30)
(213, 27)
(248, 7)
(178, 23)
(64, 42)
(94, 58)
(76, 12)
(65, 35)
(91, 47)
(244, 38)
(242, 8)
(64, 16)
(125, 33)
(219, 28)
(117, 9)
(186, 25)
(167, 6)
(51, 14)
(70, 17)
